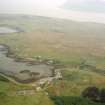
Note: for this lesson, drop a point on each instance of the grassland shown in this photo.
(9, 95)
(67, 41)
(70, 43)
(69, 90)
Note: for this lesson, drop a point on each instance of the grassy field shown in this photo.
(9, 95)
(70, 43)
(67, 41)
(69, 90)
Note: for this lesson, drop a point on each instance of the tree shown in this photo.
(102, 95)
(92, 93)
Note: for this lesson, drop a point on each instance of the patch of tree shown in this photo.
(102, 95)
(95, 94)
(3, 79)
(57, 100)
(73, 100)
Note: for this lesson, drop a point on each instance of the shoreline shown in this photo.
(15, 29)
(29, 61)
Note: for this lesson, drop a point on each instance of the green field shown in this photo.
(9, 95)
(72, 44)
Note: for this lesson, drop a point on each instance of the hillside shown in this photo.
(78, 46)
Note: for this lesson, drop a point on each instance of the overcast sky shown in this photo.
(81, 10)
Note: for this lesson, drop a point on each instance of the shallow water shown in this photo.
(5, 30)
(9, 66)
